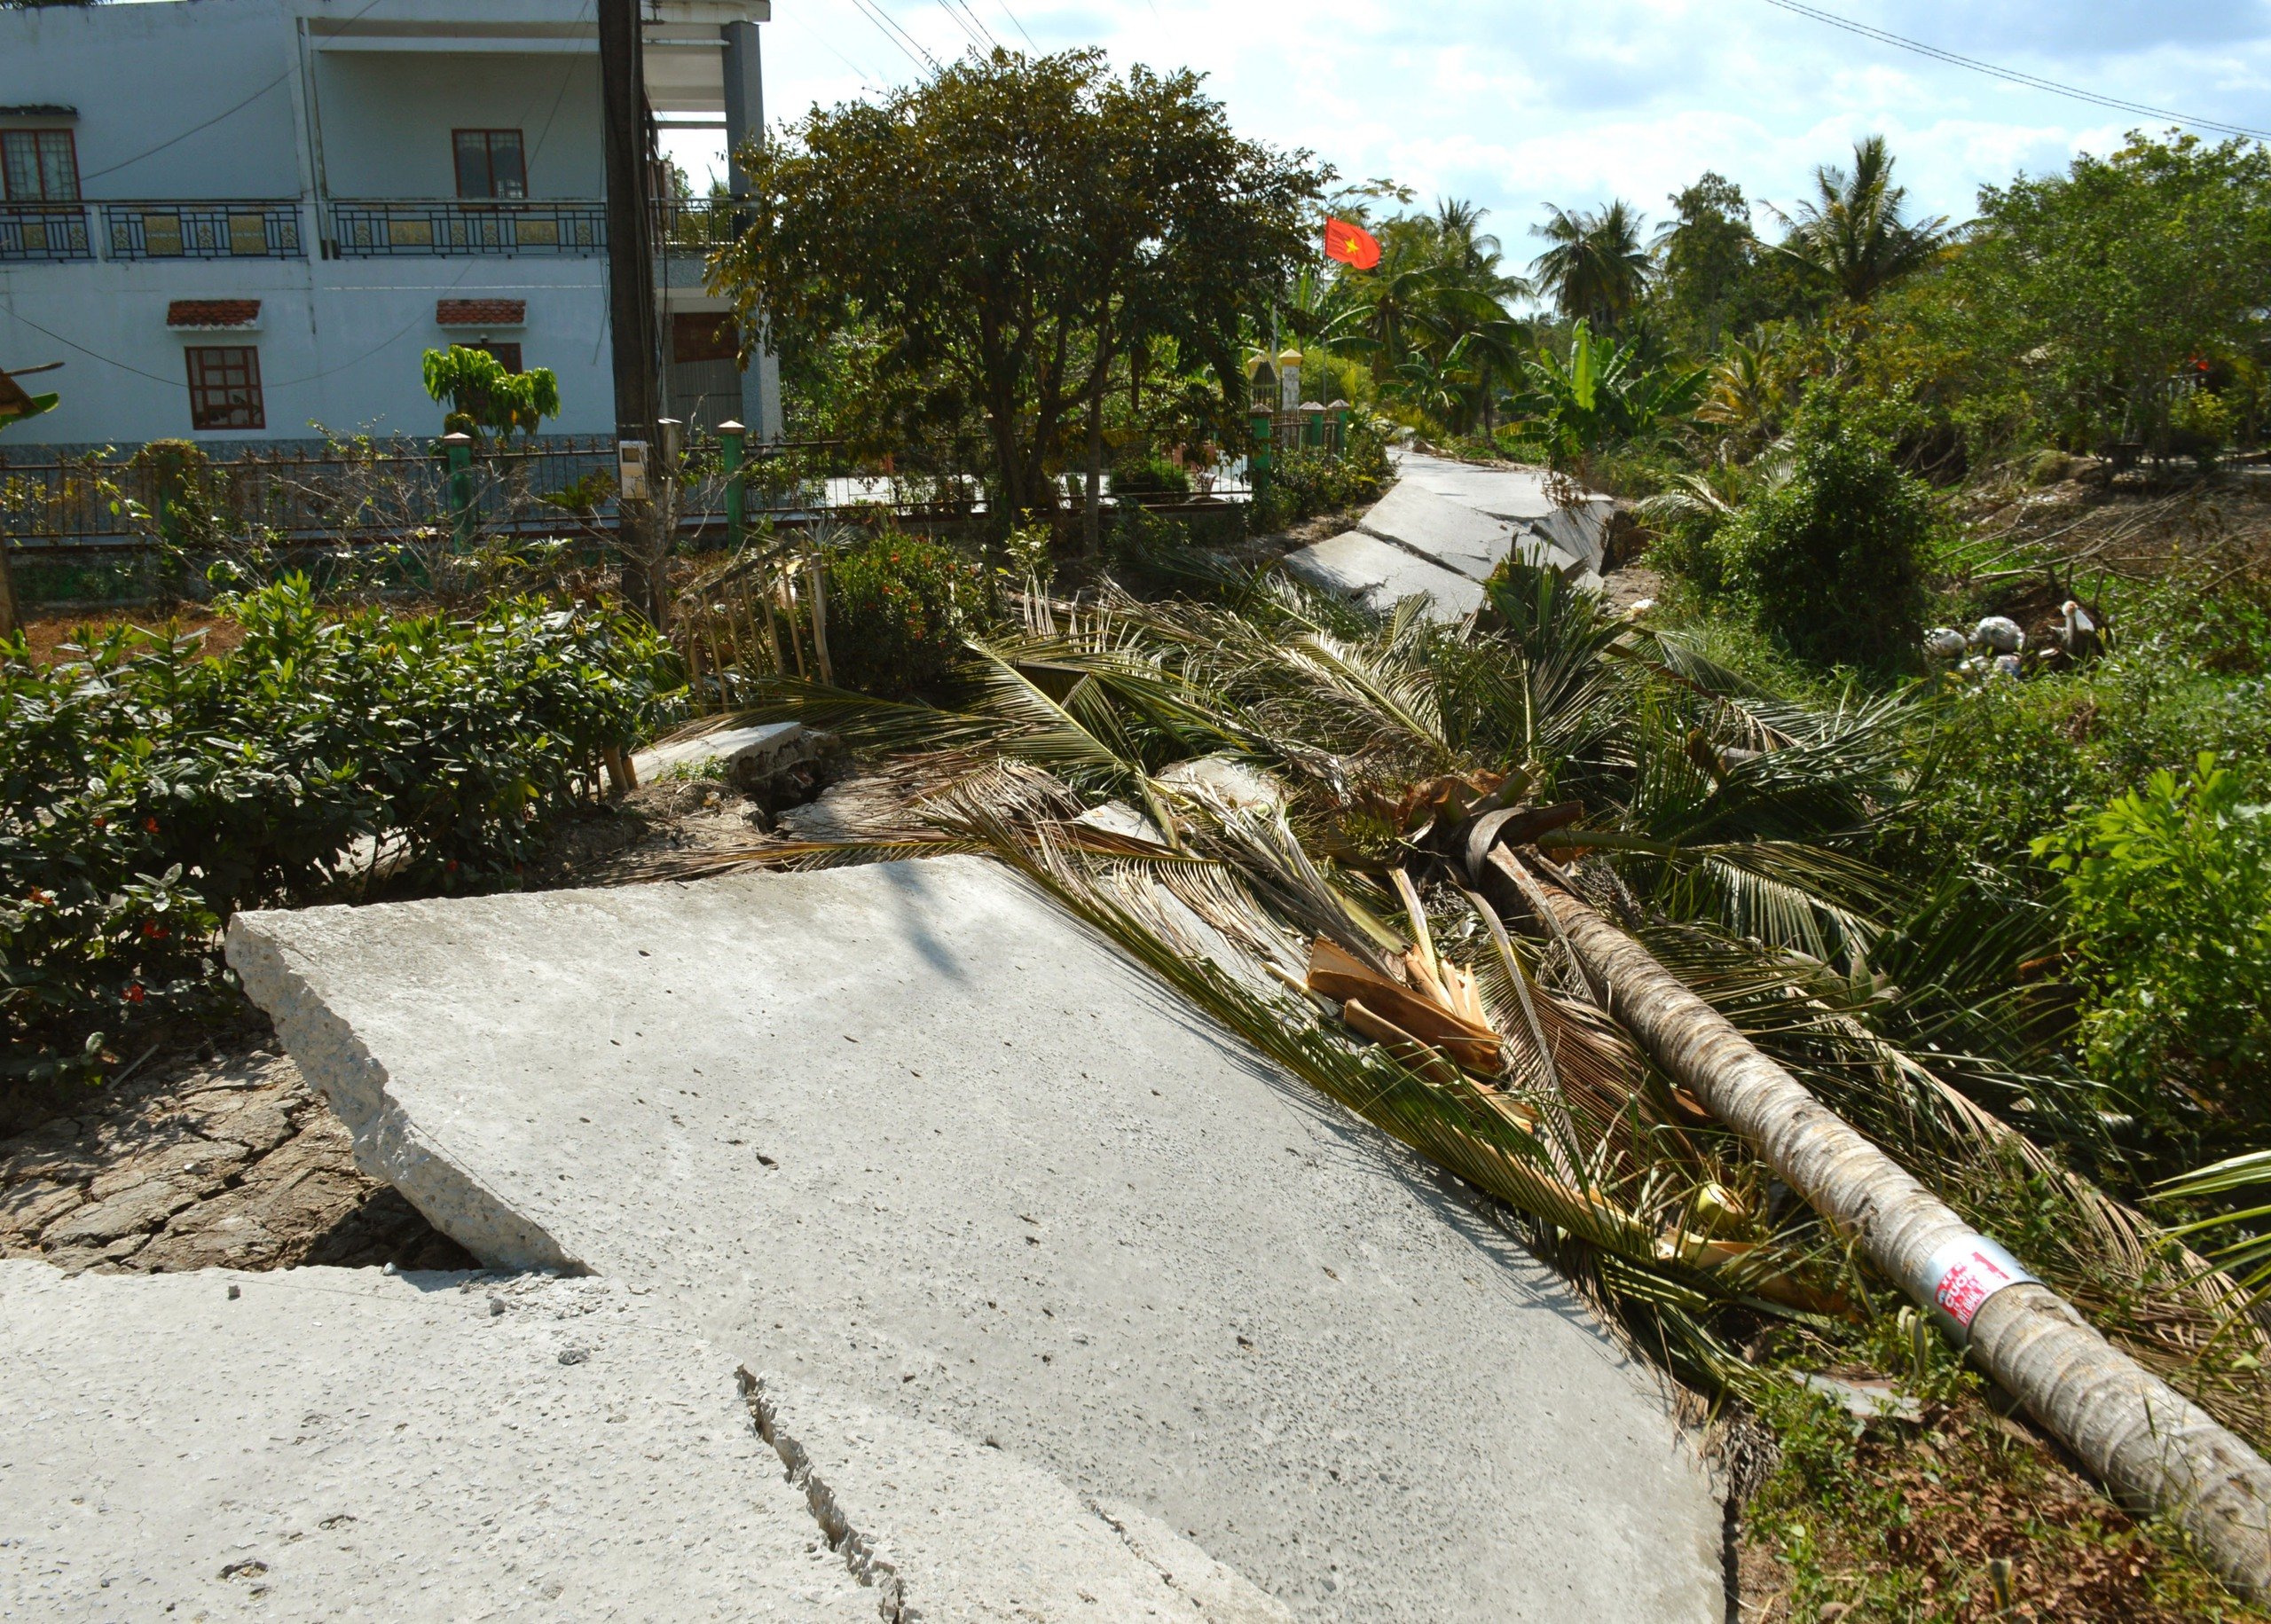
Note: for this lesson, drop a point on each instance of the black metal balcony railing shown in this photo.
(202, 231)
(45, 231)
(451, 229)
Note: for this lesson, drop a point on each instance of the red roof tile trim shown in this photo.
(213, 313)
(481, 312)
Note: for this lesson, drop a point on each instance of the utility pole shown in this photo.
(630, 304)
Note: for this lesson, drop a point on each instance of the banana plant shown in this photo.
(1602, 395)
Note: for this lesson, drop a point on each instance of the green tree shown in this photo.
(1602, 394)
(1014, 228)
(2086, 293)
(1833, 557)
(484, 396)
(1596, 270)
(1853, 233)
(1704, 253)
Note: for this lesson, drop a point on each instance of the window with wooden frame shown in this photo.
(507, 356)
(38, 166)
(491, 163)
(705, 335)
(224, 388)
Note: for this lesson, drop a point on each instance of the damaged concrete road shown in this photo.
(1444, 527)
(906, 1138)
(347, 1443)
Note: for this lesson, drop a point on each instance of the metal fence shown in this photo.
(255, 229)
(368, 491)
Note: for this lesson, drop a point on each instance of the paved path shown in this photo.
(904, 1138)
(1444, 527)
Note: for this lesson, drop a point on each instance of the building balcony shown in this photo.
(260, 230)
(45, 231)
(451, 229)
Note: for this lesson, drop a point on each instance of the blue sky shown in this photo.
(1515, 103)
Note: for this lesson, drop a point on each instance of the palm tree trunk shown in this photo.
(2150, 1445)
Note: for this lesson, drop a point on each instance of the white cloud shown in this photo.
(1512, 103)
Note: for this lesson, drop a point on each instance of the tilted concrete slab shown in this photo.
(907, 1135)
(348, 1444)
(1380, 575)
(1458, 539)
(1580, 530)
(743, 754)
(1517, 494)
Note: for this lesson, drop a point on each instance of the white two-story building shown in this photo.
(239, 220)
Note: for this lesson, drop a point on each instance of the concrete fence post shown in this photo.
(458, 449)
(1265, 428)
(730, 439)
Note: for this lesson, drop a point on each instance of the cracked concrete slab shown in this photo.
(1456, 536)
(1380, 575)
(905, 1134)
(943, 1526)
(350, 1444)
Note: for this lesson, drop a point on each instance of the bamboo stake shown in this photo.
(2150, 1444)
(756, 606)
(787, 590)
(818, 578)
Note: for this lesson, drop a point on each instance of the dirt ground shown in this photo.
(212, 1152)
(233, 1163)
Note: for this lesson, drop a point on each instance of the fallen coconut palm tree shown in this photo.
(1298, 816)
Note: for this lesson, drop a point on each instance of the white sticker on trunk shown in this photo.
(1964, 1273)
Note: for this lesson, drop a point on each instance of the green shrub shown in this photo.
(1145, 473)
(2170, 893)
(1307, 482)
(147, 793)
(898, 609)
(1834, 558)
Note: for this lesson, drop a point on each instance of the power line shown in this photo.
(2011, 75)
(979, 23)
(857, 72)
(1020, 26)
(956, 16)
(908, 46)
(226, 113)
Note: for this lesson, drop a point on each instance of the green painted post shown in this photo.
(730, 459)
(458, 448)
(1313, 425)
(1264, 429)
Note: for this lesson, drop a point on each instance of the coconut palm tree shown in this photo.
(1326, 886)
(1853, 232)
(1598, 268)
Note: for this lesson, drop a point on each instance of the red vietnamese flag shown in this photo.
(1351, 245)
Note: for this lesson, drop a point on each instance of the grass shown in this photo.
(1964, 1515)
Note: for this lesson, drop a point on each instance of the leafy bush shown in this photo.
(1999, 765)
(1307, 480)
(2170, 889)
(1144, 473)
(147, 793)
(1832, 558)
(897, 609)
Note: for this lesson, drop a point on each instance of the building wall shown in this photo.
(339, 339)
(386, 117)
(140, 74)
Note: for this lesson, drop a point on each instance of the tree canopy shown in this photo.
(1854, 233)
(1010, 230)
(1596, 268)
(2092, 291)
